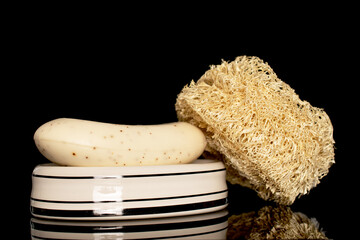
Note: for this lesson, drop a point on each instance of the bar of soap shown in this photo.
(75, 142)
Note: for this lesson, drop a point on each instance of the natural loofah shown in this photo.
(269, 139)
(273, 223)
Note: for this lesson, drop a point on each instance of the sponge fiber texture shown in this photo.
(269, 139)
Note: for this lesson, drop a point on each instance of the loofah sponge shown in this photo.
(273, 223)
(269, 139)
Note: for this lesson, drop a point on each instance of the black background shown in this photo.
(129, 70)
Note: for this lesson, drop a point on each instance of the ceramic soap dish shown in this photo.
(125, 193)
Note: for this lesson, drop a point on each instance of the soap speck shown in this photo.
(74, 154)
(129, 149)
(94, 148)
(86, 157)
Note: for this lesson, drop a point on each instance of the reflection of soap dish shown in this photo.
(117, 193)
(201, 226)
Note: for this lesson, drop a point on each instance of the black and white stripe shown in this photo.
(130, 211)
(127, 176)
(130, 200)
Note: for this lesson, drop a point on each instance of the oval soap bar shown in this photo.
(75, 142)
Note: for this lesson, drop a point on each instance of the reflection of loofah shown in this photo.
(269, 139)
(273, 223)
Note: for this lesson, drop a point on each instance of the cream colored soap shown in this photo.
(75, 142)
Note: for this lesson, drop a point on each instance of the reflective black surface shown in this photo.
(133, 75)
(269, 222)
(203, 226)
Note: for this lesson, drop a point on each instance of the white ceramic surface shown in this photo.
(118, 193)
(202, 226)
